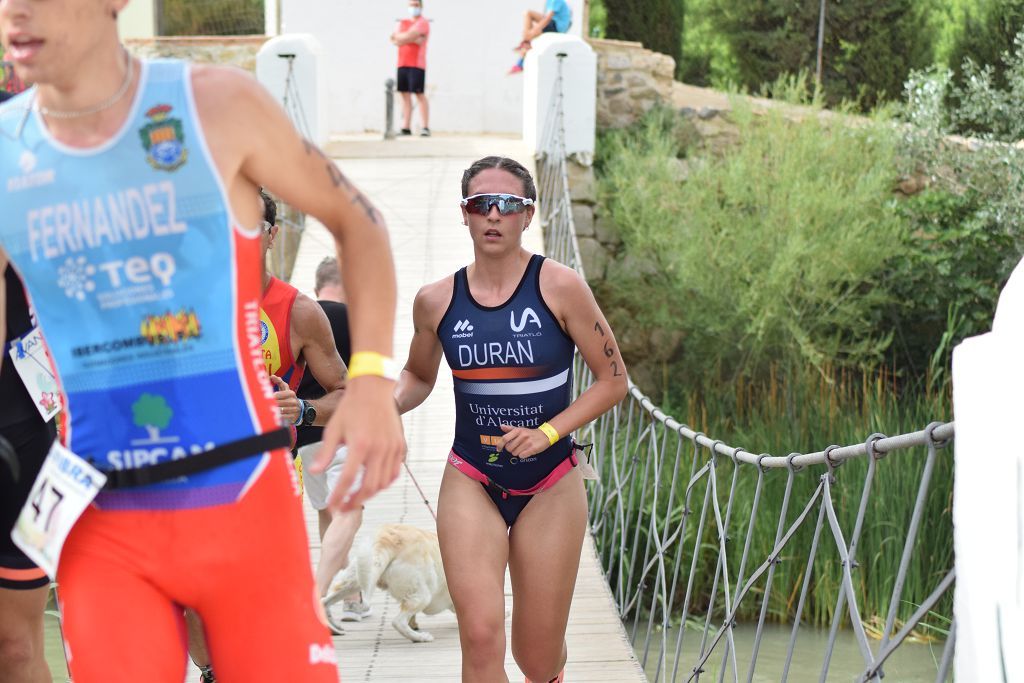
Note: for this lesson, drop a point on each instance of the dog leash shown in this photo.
(422, 495)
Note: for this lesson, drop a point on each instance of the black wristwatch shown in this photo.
(308, 415)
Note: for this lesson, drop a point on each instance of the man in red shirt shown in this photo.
(411, 39)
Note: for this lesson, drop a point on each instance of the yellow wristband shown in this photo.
(372, 363)
(550, 432)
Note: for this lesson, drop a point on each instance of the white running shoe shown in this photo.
(355, 610)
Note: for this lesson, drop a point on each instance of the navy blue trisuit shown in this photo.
(512, 365)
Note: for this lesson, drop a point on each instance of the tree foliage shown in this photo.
(211, 17)
(655, 23)
(869, 45)
(991, 97)
(987, 32)
(706, 59)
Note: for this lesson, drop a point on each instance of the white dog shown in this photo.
(406, 562)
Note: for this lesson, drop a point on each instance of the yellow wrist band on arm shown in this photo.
(551, 433)
(372, 363)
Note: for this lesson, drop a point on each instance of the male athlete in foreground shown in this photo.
(128, 190)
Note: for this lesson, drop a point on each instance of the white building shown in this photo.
(469, 54)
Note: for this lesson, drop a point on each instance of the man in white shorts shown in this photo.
(337, 529)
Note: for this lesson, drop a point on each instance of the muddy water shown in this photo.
(911, 663)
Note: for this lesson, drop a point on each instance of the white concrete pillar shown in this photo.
(579, 91)
(271, 17)
(306, 101)
(988, 495)
(137, 20)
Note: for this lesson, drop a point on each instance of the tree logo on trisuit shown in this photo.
(152, 413)
(164, 139)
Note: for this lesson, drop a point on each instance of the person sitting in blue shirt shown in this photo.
(556, 18)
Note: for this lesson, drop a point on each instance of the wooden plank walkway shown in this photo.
(415, 184)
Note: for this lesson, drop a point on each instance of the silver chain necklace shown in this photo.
(95, 109)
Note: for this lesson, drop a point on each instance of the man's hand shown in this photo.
(522, 442)
(287, 401)
(366, 420)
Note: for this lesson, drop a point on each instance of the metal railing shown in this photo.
(653, 469)
(292, 222)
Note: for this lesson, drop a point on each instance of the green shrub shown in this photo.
(965, 233)
(947, 281)
(989, 101)
(768, 256)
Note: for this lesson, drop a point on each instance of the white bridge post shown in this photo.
(579, 91)
(307, 98)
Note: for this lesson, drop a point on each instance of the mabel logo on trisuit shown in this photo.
(463, 329)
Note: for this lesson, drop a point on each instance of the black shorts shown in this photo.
(550, 28)
(411, 79)
(31, 441)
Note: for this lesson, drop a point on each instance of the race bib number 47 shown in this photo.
(64, 488)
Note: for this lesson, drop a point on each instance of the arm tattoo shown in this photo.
(609, 350)
(338, 179)
(373, 214)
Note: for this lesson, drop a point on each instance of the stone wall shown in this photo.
(630, 80)
(599, 241)
(238, 51)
